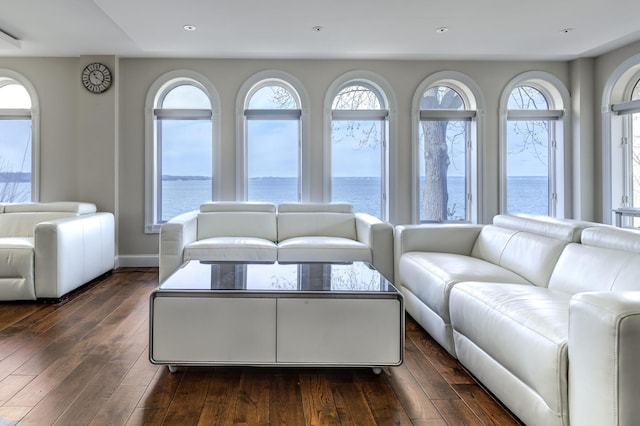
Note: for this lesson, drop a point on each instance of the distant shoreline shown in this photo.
(179, 178)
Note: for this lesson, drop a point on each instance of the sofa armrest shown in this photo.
(442, 238)
(604, 343)
(174, 236)
(378, 235)
(72, 251)
(456, 238)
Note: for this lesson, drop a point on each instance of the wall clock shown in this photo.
(96, 77)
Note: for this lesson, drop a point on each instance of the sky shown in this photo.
(15, 145)
(15, 135)
(272, 144)
(273, 153)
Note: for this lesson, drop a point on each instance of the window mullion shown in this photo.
(627, 160)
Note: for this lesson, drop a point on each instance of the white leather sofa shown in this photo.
(50, 249)
(258, 232)
(544, 313)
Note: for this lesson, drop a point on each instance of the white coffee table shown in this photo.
(275, 314)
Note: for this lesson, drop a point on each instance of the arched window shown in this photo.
(624, 172)
(17, 153)
(533, 172)
(358, 149)
(445, 121)
(272, 142)
(633, 156)
(181, 170)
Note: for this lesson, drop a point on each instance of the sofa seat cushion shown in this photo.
(16, 269)
(221, 249)
(430, 276)
(523, 328)
(322, 249)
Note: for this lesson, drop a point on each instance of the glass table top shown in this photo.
(278, 277)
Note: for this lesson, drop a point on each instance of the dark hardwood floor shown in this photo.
(84, 361)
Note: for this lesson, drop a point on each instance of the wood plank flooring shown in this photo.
(84, 361)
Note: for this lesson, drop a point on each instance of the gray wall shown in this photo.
(316, 76)
(93, 145)
(605, 66)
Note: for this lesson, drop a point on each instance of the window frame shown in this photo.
(473, 114)
(155, 95)
(8, 76)
(245, 114)
(559, 149)
(617, 90)
(622, 113)
(387, 115)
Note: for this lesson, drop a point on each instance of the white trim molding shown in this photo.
(161, 85)
(469, 90)
(35, 128)
(390, 168)
(559, 100)
(248, 88)
(616, 90)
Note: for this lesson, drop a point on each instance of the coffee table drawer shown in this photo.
(192, 330)
(340, 331)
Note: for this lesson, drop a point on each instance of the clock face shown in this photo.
(96, 77)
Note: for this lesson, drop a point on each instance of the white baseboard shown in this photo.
(138, 260)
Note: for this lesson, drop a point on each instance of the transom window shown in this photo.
(530, 153)
(359, 116)
(16, 142)
(273, 127)
(444, 155)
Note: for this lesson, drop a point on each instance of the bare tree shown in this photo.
(353, 97)
(530, 131)
(281, 97)
(437, 160)
(11, 188)
(357, 97)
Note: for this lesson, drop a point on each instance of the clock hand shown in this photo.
(98, 76)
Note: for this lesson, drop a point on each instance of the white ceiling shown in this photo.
(355, 29)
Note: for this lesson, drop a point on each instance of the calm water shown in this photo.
(15, 192)
(526, 194)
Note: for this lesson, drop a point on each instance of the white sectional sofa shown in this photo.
(50, 249)
(545, 313)
(292, 232)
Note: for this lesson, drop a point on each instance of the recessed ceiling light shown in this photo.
(189, 27)
(442, 30)
(317, 28)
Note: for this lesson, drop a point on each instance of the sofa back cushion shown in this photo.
(316, 219)
(532, 256)
(608, 259)
(527, 245)
(24, 224)
(568, 230)
(72, 207)
(491, 243)
(237, 219)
